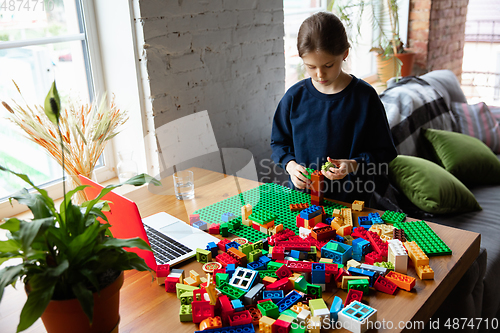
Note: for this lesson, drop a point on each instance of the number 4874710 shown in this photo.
(27, 5)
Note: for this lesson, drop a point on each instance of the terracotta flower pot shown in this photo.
(68, 316)
(407, 59)
(386, 68)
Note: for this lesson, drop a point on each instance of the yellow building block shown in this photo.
(297, 308)
(314, 324)
(195, 276)
(337, 223)
(358, 205)
(416, 254)
(353, 263)
(425, 272)
(336, 213)
(191, 282)
(266, 324)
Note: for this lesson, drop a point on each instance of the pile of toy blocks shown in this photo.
(276, 284)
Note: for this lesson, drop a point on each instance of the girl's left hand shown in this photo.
(344, 167)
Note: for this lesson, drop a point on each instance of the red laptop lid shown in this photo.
(124, 218)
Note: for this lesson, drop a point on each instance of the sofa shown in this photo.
(414, 104)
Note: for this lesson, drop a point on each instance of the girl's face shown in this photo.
(324, 70)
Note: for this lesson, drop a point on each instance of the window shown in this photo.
(41, 41)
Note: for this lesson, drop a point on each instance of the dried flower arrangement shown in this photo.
(85, 130)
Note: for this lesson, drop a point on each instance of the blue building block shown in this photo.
(237, 305)
(329, 220)
(230, 269)
(339, 239)
(257, 265)
(311, 212)
(338, 252)
(362, 246)
(365, 222)
(375, 218)
(232, 244)
(248, 328)
(290, 299)
(200, 225)
(294, 254)
(212, 247)
(364, 272)
(264, 260)
(335, 308)
(273, 295)
(318, 273)
(226, 217)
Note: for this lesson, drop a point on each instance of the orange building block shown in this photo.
(238, 255)
(425, 272)
(416, 254)
(299, 307)
(210, 322)
(268, 280)
(402, 281)
(298, 207)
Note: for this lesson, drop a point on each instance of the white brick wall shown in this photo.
(224, 56)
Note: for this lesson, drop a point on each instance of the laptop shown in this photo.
(171, 239)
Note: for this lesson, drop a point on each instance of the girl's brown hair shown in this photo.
(322, 32)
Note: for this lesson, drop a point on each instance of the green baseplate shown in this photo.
(271, 197)
(425, 237)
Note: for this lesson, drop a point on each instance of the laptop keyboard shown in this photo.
(165, 249)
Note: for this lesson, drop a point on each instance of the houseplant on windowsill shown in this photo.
(392, 58)
(67, 254)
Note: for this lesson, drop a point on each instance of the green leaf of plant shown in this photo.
(74, 219)
(30, 230)
(83, 244)
(142, 179)
(51, 112)
(130, 260)
(70, 194)
(11, 224)
(91, 276)
(130, 242)
(9, 275)
(10, 245)
(85, 297)
(42, 289)
(35, 202)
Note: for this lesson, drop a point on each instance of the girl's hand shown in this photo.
(296, 172)
(344, 167)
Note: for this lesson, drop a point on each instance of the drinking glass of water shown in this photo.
(184, 185)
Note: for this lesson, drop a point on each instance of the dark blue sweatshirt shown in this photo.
(310, 126)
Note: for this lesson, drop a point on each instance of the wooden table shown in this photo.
(146, 307)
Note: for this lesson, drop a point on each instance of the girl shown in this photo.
(331, 116)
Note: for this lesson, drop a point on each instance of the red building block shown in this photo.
(226, 308)
(162, 272)
(214, 229)
(202, 310)
(385, 285)
(300, 222)
(299, 266)
(353, 295)
(240, 318)
(373, 257)
(283, 272)
(225, 259)
(194, 218)
(278, 253)
(255, 313)
(281, 284)
(324, 233)
(170, 283)
(222, 244)
(281, 326)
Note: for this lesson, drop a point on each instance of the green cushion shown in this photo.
(466, 157)
(430, 187)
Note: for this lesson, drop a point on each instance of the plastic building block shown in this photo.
(194, 218)
(385, 285)
(210, 322)
(185, 313)
(162, 272)
(230, 245)
(358, 205)
(337, 251)
(373, 257)
(356, 316)
(243, 278)
(214, 229)
(290, 299)
(425, 237)
(281, 284)
(203, 256)
(283, 272)
(424, 272)
(240, 318)
(262, 216)
(248, 328)
(314, 290)
(268, 309)
(200, 225)
(318, 273)
(353, 295)
(365, 222)
(398, 256)
(222, 244)
(255, 313)
(347, 278)
(393, 217)
(388, 265)
(170, 283)
(182, 288)
(230, 291)
(238, 256)
(237, 305)
(375, 218)
(212, 247)
(298, 207)
(266, 324)
(225, 259)
(254, 255)
(361, 285)
(273, 295)
(335, 308)
(254, 294)
(226, 217)
(311, 212)
(325, 233)
(201, 310)
(416, 254)
(402, 281)
(224, 230)
(281, 326)
(399, 234)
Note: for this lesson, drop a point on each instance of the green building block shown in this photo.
(393, 217)
(385, 264)
(187, 298)
(425, 237)
(298, 329)
(181, 288)
(224, 229)
(203, 256)
(335, 247)
(235, 224)
(288, 315)
(269, 309)
(254, 255)
(185, 313)
(230, 291)
(262, 216)
(273, 265)
(264, 252)
(246, 248)
(221, 278)
(317, 304)
(270, 197)
(258, 245)
(301, 284)
(270, 273)
(361, 285)
(309, 172)
(314, 290)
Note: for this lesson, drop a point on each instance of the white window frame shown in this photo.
(90, 36)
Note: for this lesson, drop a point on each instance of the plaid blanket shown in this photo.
(410, 105)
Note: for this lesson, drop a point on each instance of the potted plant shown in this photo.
(67, 255)
(392, 58)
